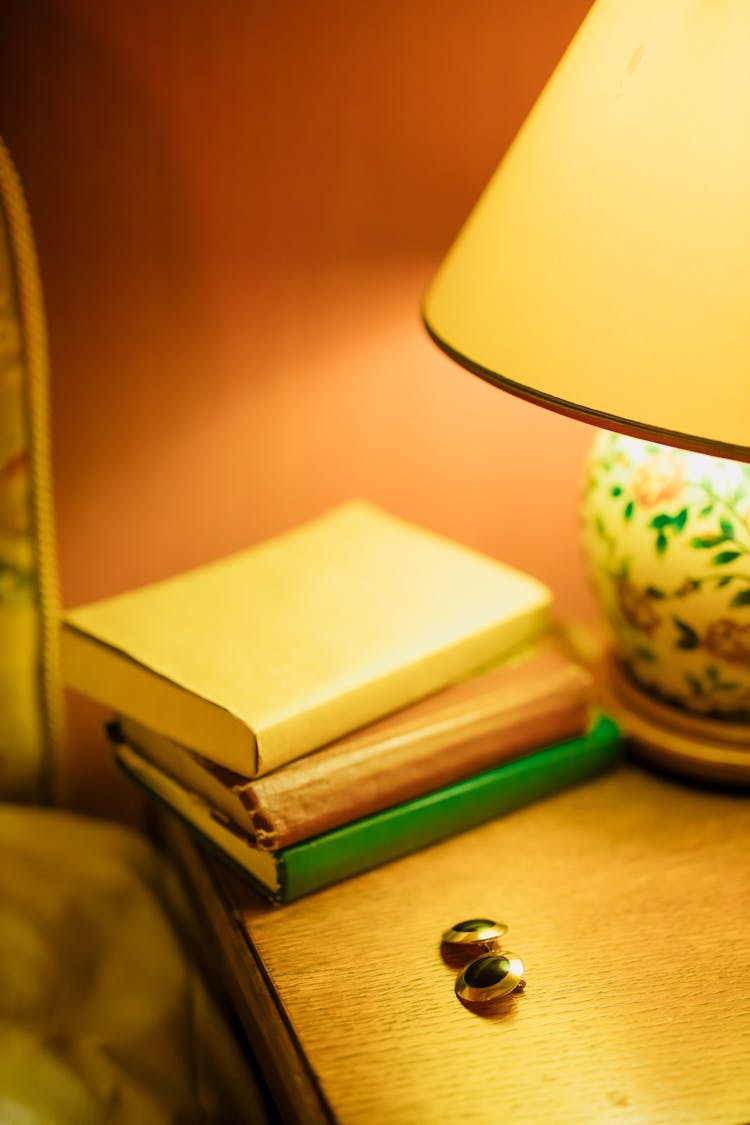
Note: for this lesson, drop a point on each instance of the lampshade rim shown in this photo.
(633, 428)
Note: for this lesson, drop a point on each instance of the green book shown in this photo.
(312, 864)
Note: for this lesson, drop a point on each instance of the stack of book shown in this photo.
(338, 696)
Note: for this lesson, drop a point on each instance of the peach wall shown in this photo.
(237, 206)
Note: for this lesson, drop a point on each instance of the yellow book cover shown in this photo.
(260, 657)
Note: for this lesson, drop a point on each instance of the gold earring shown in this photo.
(491, 974)
(490, 977)
(475, 932)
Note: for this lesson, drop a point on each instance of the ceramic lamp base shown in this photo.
(673, 739)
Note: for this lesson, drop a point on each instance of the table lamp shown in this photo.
(605, 274)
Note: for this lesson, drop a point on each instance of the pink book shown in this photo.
(538, 699)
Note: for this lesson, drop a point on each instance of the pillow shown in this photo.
(104, 1017)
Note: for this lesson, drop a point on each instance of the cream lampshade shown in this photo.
(605, 274)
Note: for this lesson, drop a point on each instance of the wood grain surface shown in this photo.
(627, 898)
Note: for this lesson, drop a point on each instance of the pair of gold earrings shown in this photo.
(491, 974)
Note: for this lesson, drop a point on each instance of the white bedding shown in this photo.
(103, 1016)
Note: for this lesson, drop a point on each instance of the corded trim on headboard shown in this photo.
(36, 386)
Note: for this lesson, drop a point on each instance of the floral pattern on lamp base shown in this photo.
(666, 535)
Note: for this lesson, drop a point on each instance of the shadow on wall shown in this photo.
(123, 289)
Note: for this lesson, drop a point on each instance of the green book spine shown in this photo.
(354, 848)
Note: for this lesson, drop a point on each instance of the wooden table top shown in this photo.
(628, 899)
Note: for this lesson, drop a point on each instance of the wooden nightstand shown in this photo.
(627, 898)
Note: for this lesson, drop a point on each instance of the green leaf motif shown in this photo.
(677, 523)
(702, 542)
(16, 581)
(705, 511)
(688, 637)
(725, 557)
(615, 490)
(740, 599)
(629, 509)
(655, 592)
(728, 528)
(661, 543)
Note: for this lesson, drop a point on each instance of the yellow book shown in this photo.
(260, 657)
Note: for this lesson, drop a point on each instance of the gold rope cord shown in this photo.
(33, 345)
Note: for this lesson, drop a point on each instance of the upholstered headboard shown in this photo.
(31, 708)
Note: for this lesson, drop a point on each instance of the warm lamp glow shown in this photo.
(667, 536)
(605, 271)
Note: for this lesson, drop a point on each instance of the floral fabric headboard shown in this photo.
(31, 708)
